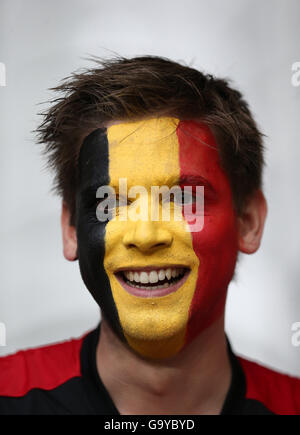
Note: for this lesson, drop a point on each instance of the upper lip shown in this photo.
(161, 266)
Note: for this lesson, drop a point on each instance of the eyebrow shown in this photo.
(195, 180)
(186, 180)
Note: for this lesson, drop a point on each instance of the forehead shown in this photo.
(145, 152)
(161, 151)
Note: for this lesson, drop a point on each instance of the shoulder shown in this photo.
(45, 368)
(279, 392)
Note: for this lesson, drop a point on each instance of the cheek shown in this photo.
(216, 248)
(91, 236)
(219, 232)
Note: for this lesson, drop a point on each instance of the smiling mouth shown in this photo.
(152, 282)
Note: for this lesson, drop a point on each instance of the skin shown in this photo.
(176, 342)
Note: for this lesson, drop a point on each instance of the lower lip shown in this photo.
(145, 293)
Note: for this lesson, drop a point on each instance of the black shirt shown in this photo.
(63, 379)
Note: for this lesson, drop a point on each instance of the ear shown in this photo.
(68, 235)
(251, 223)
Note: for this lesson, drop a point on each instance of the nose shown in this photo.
(146, 236)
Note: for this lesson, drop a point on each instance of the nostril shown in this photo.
(146, 237)
(151, 245)
(159, 244)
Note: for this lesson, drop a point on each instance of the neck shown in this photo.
(195, 381)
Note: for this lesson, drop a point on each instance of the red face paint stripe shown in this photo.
(216, 244)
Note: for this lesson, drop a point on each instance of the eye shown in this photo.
(191, 200)
(111, 202)
(186, 198)
(122, 201)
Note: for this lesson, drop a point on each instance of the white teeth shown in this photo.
(144, 278)
(161, 275)
(169, 273)
(153, 277)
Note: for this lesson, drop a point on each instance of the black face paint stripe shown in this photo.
(93, 170)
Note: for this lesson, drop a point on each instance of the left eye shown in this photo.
(185, 199)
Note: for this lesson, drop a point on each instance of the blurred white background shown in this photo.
(253, 42)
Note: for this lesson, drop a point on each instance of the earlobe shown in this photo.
(68, 235)
(251, 223)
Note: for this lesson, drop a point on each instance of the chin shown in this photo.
(152, 339)
(154, 321)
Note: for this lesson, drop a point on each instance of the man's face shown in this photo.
(158, 284)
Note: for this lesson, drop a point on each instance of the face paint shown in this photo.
(93, 172)
(216, 246)
(156, 323)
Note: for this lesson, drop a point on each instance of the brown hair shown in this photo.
(128, 89)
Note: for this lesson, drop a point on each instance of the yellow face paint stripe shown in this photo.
(147, 153)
